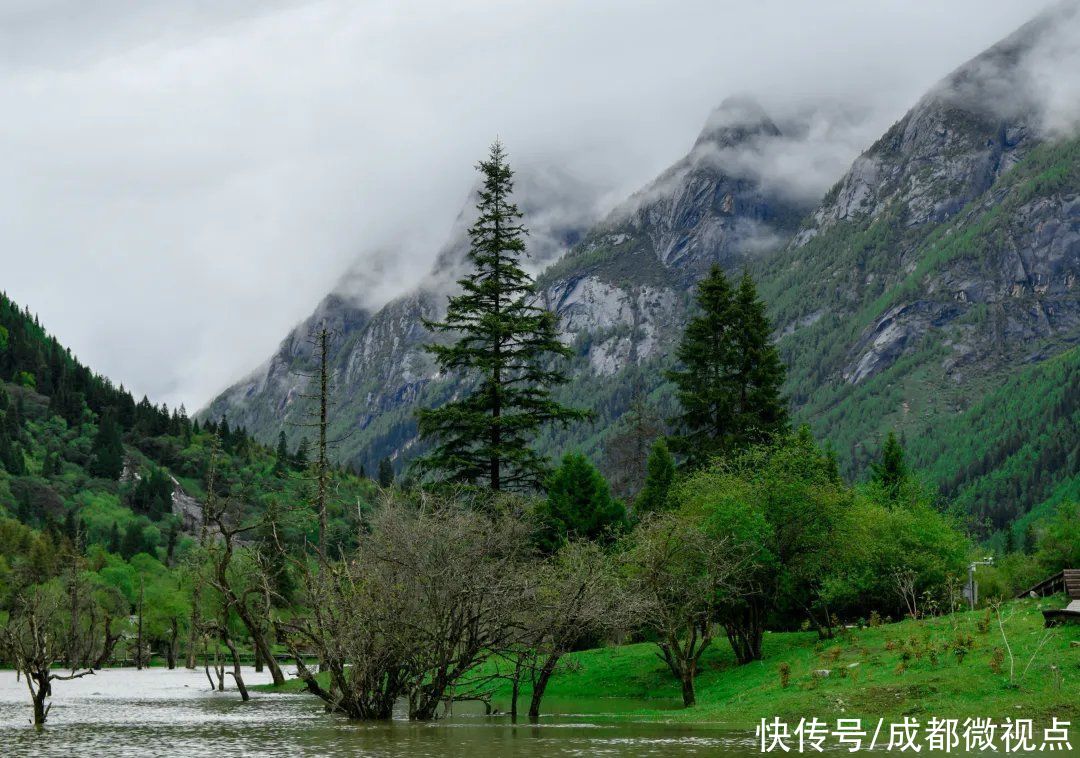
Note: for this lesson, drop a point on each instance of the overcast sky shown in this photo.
(183, 180)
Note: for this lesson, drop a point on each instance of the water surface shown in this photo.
(156, 712)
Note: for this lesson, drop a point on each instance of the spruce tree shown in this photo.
(730, 374)
(890, 471)
(114, 539)
(386, 473)
(281, 463)
(579, 505)
(108, 449)
(300, 460)
(659, 476)
(504, 349)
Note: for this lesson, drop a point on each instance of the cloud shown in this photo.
(184, 181)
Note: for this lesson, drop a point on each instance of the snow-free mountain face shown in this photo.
(620, 290)
(942, 268)
(943, 263)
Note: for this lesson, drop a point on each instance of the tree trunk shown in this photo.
(38, 683)
(263, 652)
(237, 674)
(515, 690)
(191, 653)
(139, 635)
(258, 659)
(173, 638)
(540, 685)
(688, 696)
(108, 645)
(745, 630)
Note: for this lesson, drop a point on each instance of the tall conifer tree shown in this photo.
(729, 378)
(504, 346)
(891, 470)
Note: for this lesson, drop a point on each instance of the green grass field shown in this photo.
(892, 670)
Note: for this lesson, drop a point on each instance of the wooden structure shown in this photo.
(1067, 581)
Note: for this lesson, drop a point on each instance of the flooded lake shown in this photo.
(156, 712)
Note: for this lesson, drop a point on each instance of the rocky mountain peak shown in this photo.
(735, 121)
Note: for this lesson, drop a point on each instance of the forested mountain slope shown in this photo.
(620, 291)
(82, 463)
(941, 273)
(944, 266)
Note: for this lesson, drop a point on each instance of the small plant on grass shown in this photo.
(997, 660)
(784, 670)
(962, 644)
(875, 619)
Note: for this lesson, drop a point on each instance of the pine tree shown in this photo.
(300, 460)
(108, 449)
(730, 374)
(133, 540)
(890, 470)
(659, 476)
(579, 505)
(504, 348)
(386, 473)
(114, 538)
(1010, 540)
(281, 464)
(627, 447)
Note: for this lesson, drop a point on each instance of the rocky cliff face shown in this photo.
(944, 258)
(619, 291)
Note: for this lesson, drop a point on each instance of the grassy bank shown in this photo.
(892, 670)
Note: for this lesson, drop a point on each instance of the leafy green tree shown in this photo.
(386, 473)
(505, 344)
(578, 505)
(107, 452)
(730, 374)
(1059, 544)
(659, 476)
(890, 471)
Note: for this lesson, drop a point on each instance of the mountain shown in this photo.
(945, 263)
(620, 291)
(86, 465)
(941, 271)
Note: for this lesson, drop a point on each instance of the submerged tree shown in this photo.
(38, 633)
(578, 597)
(728, 383)
(504, 344)
(430, 594)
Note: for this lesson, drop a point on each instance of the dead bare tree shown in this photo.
(33, 637)
(428, 596)
(240, 595)
(905, 580)
(318, 419)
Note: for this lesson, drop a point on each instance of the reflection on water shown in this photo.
(122, 712)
